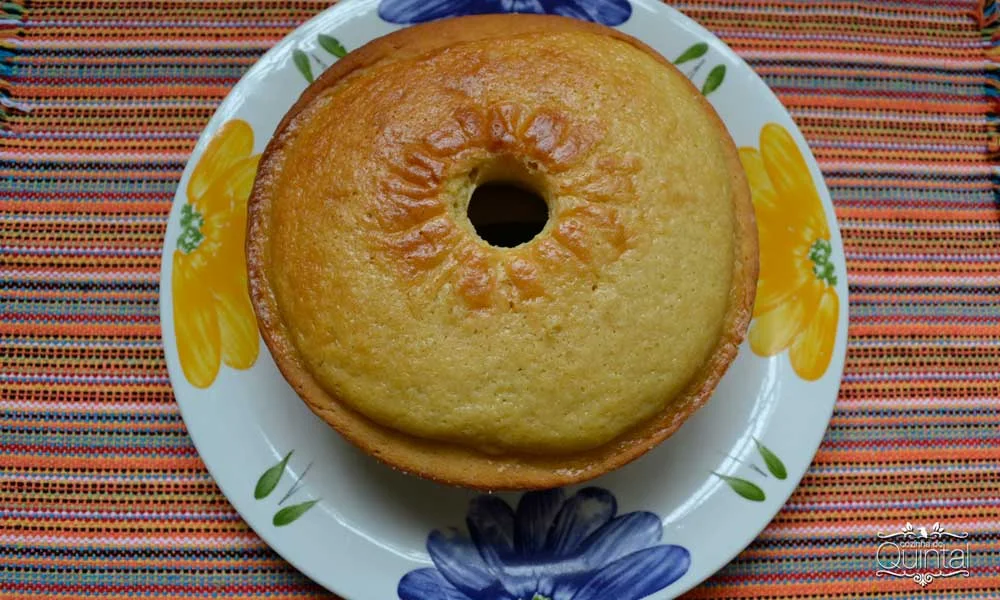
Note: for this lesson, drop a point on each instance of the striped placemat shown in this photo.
(102, 493)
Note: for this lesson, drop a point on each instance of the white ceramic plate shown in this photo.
(367, 532)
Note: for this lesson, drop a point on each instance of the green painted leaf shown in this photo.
(714, 79)
(301, 60)
(774, 464)
(332, 45)
(269, 480)
(747, 489)
(290, 514)
(696, 51)
(13, 8)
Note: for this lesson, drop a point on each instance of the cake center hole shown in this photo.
(507, 214)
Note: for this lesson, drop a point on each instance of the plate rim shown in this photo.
(223, 113)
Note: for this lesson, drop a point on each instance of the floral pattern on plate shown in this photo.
(268, 482)
(408, 12)
(797, 305)
(303, 60)
(550, 547)
(213, 319)
(748, 489)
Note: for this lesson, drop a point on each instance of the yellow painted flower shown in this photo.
(797, 305)
(213, 318)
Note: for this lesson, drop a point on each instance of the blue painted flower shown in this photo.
(407, 12)
(549, 548)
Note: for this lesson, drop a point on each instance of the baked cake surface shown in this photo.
(531, 366)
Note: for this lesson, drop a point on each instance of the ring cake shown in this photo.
(541, 364)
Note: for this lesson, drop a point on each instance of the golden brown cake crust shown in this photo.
(455, 463)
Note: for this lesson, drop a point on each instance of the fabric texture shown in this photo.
(102, 493)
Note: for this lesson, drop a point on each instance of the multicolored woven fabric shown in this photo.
(102, 494)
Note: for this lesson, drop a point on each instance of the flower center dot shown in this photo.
(191, 235)
(820, 253)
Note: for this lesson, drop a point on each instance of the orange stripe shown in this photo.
(56, 427)
(78, 329)
(124, 463)
(115, 172)
(838, 47)
(851, 71)
(955, 214)
(893, 420)
(265, 561)
(901, 455)
(775, 588)
(881, 103)
(909, 184)
(158, 91)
